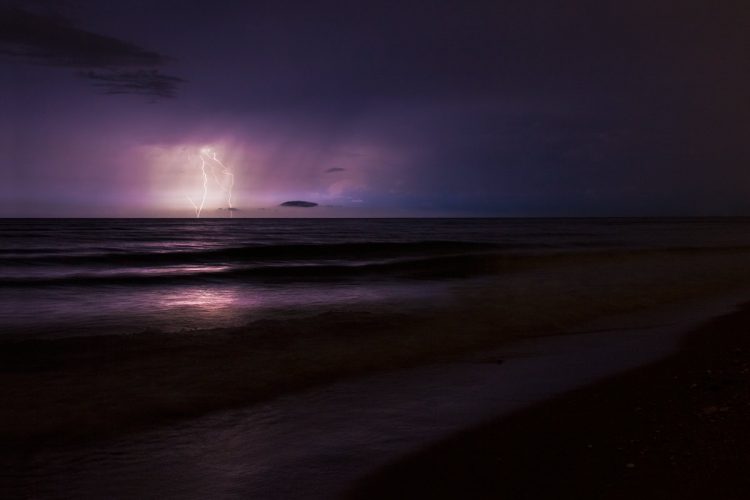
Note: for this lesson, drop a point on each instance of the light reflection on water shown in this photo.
(75, 311)
(205, 307)
(206, 300)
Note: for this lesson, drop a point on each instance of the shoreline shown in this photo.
(74, 390)
(361, 423)
(674, 428)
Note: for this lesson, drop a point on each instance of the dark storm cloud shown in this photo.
(621, 52)
(524, 107)
(151, 83)
(335, 169)
(116, 66)
(548, 106)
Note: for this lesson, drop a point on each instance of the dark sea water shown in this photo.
(238, 413)
(108, 276)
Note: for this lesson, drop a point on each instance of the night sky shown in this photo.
(408, 108)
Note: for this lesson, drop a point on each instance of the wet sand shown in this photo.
(267, 450)
(678, 428)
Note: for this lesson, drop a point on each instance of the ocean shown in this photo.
(277, 358)
(80, 277)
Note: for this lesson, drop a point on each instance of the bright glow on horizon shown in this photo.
(175, 185)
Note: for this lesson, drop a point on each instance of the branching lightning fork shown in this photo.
(207, 153)
(199, 208)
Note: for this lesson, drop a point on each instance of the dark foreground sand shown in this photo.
(676, 429)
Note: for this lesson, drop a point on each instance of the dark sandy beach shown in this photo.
(674, 429)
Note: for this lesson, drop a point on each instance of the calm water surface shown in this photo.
(108, 276)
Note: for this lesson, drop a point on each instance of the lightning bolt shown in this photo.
(199, 208)
(226, 187)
